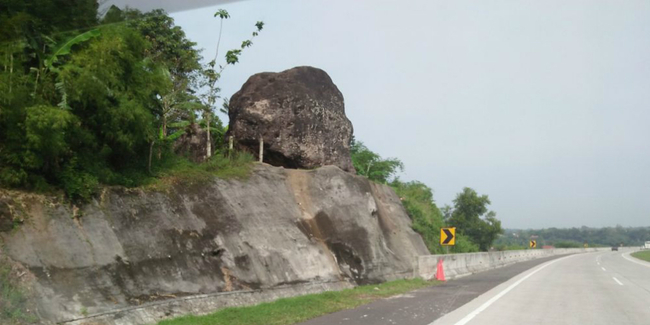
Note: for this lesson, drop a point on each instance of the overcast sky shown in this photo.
(542, 105)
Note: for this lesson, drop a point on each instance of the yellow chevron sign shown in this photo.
(533, 244)
(448, 236)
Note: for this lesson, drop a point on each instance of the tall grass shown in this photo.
(180, 170)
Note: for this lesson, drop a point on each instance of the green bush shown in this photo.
(426, 218)
(464, 245)
(567, 244)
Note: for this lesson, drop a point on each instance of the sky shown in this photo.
(542, 105)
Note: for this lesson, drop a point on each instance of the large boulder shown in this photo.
(300, 115)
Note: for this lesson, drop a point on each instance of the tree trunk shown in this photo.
(164, 134)
(230, 145)
(164, 126)
(150, 154)
(11, 72)
(5, 62)
(208, 146)
(38, 75)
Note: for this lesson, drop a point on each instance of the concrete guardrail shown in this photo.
(458, 265)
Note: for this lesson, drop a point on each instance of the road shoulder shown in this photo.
(423, 306)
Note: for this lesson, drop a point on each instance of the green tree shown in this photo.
(178, 61)
(471, 218)
(82, 104)
(33, 134)
(91, 117)
(371, 165)
(111, 87)
(212, 73)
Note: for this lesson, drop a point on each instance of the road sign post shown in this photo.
(533, 244)
(448, 237)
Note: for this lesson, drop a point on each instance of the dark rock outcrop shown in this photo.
(131, 249)
(193, 144)
(300, 115)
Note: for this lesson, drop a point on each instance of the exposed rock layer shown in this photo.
(299, 113)
(279, 227)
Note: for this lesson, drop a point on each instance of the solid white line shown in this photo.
(619, 282)
(487, 304)
(603, 269)
(633, 259)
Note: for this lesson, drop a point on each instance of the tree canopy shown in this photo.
(471, 218)
(85, 100)
(371, 165)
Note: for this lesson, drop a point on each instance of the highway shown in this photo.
(596, 288)
(592, 288)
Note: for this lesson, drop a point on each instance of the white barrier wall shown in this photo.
(457, 265)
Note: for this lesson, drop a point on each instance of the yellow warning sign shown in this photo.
(448, 236)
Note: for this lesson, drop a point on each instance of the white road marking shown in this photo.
(487, 304)
(632, 259)
(619, 282)
(603, 269)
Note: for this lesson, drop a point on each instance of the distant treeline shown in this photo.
(575, 237)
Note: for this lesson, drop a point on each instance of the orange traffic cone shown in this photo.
(440, 272)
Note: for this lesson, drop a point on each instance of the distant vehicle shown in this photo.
(615, 248)
(647, 245)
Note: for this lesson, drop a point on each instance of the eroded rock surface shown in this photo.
(278, 228)
(299, 113)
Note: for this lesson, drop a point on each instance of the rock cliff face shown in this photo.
(300, 115)
(131, 249)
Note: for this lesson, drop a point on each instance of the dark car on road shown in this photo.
(615, 248)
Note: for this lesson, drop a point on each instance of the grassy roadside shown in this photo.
(297, 309)
(643, 255)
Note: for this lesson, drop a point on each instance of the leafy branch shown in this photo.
(213, 76)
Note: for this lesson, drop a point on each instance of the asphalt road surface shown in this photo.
(593, 288)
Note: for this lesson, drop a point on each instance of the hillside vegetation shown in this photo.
(477, 227)
(86, 100)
